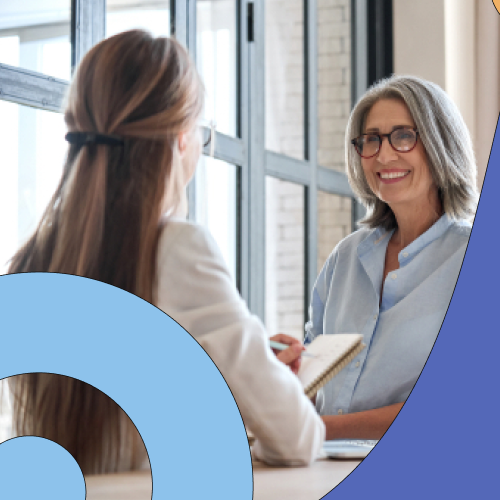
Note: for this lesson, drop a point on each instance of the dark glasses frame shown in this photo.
(354, 141)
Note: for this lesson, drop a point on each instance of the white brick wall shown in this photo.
(285, 77)
(285, 134)
(334, 77)
(334, 104)
(284, 257)
(334, 223)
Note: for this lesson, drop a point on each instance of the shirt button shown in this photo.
(340, 412)
(375, 317)
(357, 364)
(405, 254)
(394, 276)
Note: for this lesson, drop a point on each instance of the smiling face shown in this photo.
(402, 180)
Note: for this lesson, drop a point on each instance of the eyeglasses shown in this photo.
(208, 135)
(402, 140)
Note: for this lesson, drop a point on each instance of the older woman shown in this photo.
(410, 162)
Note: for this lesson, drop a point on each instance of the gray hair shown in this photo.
(444, 136)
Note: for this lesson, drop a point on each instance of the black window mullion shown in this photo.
(379, 29)
(242, 134)
(311, 136)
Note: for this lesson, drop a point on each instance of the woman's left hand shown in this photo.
(291, 356)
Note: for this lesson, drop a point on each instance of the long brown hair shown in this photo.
(93, 427)
(103, 221)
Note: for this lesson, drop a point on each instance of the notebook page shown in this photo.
(328, 349)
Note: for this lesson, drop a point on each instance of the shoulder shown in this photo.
(186, 238)
(346, 250)
(460, 228)
(352, 241)
(174, 228)
(349, 245)
(189, 257)
(191, 273)
(457, 234)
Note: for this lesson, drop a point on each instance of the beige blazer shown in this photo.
(194, 288)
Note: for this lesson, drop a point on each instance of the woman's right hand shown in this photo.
(291, 356)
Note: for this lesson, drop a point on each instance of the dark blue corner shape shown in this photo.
(445, 442)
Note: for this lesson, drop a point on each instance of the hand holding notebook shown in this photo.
(326, 356)
(323, 358)
(288, 350)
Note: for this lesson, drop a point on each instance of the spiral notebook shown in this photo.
(331, 353)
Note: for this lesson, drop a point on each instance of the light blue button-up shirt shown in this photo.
(399, 334)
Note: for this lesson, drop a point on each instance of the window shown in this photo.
(280, 78)
(152, 15)
(37, 40)
(33, 149)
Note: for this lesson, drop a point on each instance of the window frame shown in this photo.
(247, 151)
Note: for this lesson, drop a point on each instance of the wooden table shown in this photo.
(270, 483)
(300, 483)
(125, 486)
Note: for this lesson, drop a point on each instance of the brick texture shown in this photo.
(285, 134)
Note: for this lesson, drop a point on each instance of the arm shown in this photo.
(369, 424)
(195, 289)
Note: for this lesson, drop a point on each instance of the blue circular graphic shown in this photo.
(33, 467)
(143, 360)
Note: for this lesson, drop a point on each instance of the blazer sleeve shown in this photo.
(194, 288)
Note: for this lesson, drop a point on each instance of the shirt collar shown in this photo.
(379, 235)
(433, 233)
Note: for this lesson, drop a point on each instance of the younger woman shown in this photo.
(132, 115)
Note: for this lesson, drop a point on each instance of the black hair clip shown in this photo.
(84, 138)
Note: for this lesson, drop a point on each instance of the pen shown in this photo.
(281, 347)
